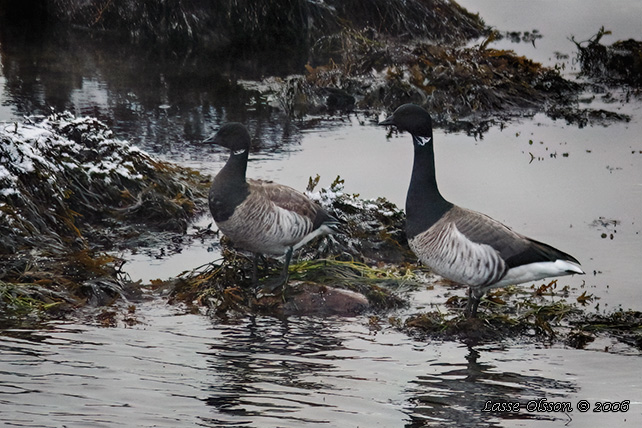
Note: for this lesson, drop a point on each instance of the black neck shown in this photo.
(424, 203)
(229, 187)
(235, 168)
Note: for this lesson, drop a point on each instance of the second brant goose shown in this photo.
(459, 244)
(261, 216)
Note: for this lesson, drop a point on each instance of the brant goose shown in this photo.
(261, 216)
(463, 245)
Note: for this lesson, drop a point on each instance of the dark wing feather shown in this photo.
(537, 252)
(292, 200)
(514, 248)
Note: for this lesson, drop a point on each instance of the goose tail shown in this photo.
(570, 266)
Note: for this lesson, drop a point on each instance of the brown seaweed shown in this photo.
(69, 192)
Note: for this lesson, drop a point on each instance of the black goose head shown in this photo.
(233, 136)
(229, 187)
(413, 119)
(424, 204)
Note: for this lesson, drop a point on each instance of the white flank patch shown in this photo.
(323, 230)
(537, 271)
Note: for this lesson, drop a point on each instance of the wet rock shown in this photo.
(338, 99)
(101, 291)
(312, 299)
(579, 339)
(623, 325)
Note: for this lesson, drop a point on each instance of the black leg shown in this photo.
(285, 273)
(282, 280)
(265, 264)
(473, 303)
(255, 270)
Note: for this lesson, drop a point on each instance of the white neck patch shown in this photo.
(422, 141)
(238, 152)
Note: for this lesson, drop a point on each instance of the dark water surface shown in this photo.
(184, 370)
(557, 183)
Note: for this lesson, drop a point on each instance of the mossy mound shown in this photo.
(472, 84)
(69, 191)
(539, 320)
(539, 314)
(318, 287)
(371, 231)
(63, 176)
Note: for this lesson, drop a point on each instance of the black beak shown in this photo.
(388, 121)
(210, 140)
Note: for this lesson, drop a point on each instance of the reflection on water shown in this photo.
(163, 104)
(456, 394)
(270, 369)
(174, 369)
(184, 370)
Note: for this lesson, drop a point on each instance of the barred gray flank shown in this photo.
(449, 253)
(262, 224)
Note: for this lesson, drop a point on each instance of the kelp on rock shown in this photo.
(69, 191)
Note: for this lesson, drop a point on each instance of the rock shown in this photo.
(322, 300)
(312, 299)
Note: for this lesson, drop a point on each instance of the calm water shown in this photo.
(174, 369)
(184, 370)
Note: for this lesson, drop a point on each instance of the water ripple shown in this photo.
(188, 370)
